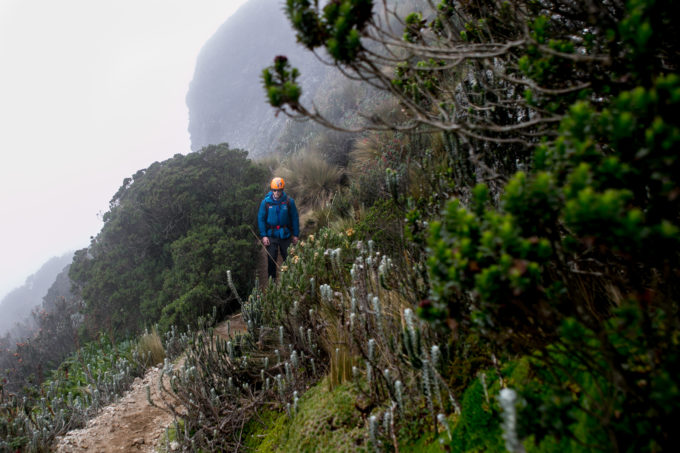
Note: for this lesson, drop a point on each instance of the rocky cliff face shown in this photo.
(226, 100)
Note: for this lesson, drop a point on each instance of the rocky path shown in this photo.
(131, 424)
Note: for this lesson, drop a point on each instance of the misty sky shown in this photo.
(90, 92)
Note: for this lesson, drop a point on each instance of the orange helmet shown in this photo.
(277, 184)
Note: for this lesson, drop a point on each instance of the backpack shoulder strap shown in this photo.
(290, 221)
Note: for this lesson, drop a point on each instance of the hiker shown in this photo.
(278, 223)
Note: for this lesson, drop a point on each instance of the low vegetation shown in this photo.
(93, 377)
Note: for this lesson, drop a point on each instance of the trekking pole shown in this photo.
(259, 240)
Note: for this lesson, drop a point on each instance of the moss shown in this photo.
(325, 421)
(519, 372)
(478, 428)
(267, 438)
(427, 442)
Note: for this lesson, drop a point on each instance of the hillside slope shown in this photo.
(17, 305)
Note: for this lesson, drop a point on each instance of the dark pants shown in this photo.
(273, 253)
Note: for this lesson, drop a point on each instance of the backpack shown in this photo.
(269, 226)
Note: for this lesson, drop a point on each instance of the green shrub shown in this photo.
(171, 226)
(597, 213)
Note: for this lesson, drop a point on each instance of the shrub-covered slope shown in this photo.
(170, 235)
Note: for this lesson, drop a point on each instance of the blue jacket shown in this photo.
(276, 218)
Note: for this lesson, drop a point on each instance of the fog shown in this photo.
(90, 92)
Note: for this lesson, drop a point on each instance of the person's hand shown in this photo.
(265, 241)
(295, 240)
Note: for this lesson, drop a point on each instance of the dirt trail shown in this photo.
(131, 424)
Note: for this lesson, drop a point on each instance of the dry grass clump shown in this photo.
(270, 161)
(310, 179)
(342, 224)
(150, 348)
(410, 157)
(333, 146)
(366, 153)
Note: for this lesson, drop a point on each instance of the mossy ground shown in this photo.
(328, 421)
(426, 444)
(325, 421)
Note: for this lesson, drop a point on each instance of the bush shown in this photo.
(594, 214)
(169, 227)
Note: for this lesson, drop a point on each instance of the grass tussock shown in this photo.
(310, 179)
(365, 154)
(271, 162)
(150, 348)
(347, 223)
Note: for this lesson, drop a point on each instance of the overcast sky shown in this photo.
(90, 92)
